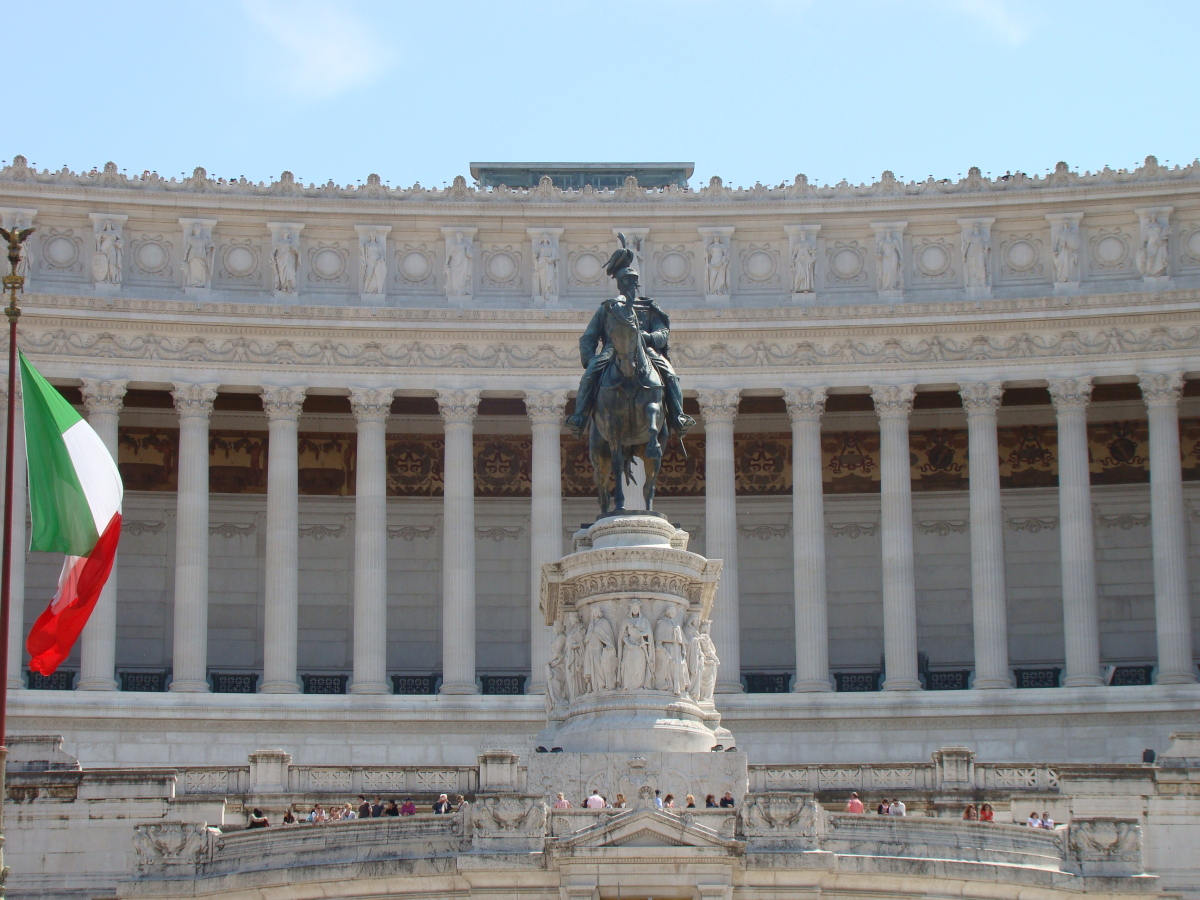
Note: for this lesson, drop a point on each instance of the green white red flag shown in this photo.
(75, 496)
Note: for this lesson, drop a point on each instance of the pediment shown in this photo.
(650, 828)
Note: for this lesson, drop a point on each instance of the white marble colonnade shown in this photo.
(805, 405)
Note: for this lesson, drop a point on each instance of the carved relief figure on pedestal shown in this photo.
(691, 653)
(600, 654)
(106, 260)
(637, 652)
(373, 266)
(197, 258)
(459, 253)
(545, 269)
(285, 259)
(889, 262)
(575, 649)
(708, 665)
(1065, 243)
(976, 248)
(1152, 256)
(804, 263)
(557, 691)
(669, 667)
(716, 272)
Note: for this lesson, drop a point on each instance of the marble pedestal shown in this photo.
(632, 667)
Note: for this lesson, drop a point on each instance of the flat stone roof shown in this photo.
(576, 175)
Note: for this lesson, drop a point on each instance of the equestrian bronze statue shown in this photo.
(629, 390)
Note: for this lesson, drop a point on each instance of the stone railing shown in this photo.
(185, 850)
(339, 780)
(910, 778)
(919, 837)
(516, 823)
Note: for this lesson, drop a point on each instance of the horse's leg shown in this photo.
(618, 468)
(653, 465)
(598, 450)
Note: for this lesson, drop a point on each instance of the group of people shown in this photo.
(984, 813)
(365, 809)
(885, 808)
(596, 800)
(1042, 821)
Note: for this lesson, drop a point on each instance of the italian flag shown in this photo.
(75, 502)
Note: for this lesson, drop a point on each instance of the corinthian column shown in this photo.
(281, 601)
(1172, 605)
(1081, 621)
(98, 655)
(545, 411)
(371, 409)
(458, 409)
(719, 408)
(988, 604)
(805, 406)
(194, 403)
(16, 576)
(893, 403)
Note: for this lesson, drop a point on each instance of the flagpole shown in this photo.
(12, 283)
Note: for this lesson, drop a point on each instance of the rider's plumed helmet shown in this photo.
(620, 264)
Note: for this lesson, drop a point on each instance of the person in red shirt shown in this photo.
(408, 808)
(986, 814)
(854, 805)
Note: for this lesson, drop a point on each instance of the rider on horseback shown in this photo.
(656, 330)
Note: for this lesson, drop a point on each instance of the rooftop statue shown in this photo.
(629, 390)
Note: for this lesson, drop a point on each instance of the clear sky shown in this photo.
(753, 90)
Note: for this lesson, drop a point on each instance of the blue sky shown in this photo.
(755, 90)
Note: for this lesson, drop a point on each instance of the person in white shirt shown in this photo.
(1047, 822)
(595, 801)
(897, 808)
(658, 799)
(1034, 821)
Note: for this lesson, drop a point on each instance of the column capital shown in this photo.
(893, 401)
(545, 407)
(458, 407)
(101, 397)
(981, 397)
(371, 404)
(283, 403)
(1161, 390)
(194, 400)
(719, 404)
(1071, 394)
(805, 404)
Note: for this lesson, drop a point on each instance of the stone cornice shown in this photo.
(184, 344)
(200, 191)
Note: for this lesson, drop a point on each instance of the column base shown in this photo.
(991, 684)
(97, 684)
(189, 686)
(729, 687)
(279, 687)
(902, 684)
(16, 684)
(1163, 678)
(809, 687)
(459, 687)
(536, 687)
(369, 687)
(1083, 681)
